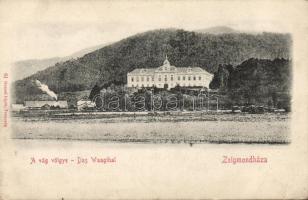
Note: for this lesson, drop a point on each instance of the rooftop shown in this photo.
(144, 71)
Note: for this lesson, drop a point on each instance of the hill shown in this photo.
(111, 63)
(24, 68)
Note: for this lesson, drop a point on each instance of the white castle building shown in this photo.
(169, 76)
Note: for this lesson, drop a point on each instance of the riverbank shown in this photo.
(218, 128)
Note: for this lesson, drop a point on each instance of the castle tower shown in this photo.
(166, 62)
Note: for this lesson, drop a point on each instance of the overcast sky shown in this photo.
(44, 29)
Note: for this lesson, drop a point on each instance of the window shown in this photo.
(132, 85)
(152, 78)
(148, 78)
(159, 78)
(179, 78)
(171, 77)
(166, 78)
(183, 78)
(194, 78)
(199, 78)
(142, 79)
(189, 78)
(132, 79)
(137, 80)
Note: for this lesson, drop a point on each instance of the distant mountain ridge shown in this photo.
(111, 63)
(22, 69)
(217, 30)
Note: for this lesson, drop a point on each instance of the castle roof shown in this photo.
(143, 71)
(166, 64)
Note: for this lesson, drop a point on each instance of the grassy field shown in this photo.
(184, 128)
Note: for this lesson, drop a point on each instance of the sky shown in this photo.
(44, 29)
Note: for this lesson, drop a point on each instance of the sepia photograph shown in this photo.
(203, 93)
(208, 85)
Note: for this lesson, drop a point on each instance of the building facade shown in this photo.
(169, 76)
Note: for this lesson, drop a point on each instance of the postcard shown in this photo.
(154, 99)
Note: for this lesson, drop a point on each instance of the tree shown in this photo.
(94, 92)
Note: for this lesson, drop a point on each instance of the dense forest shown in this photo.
(255, 81)
(111, 63)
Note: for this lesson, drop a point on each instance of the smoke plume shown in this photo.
(45, 89)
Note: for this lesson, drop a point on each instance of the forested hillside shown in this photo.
(111, 63)
(25, 68)
(256, 81)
